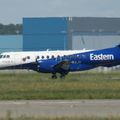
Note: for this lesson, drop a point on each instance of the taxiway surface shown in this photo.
(97, 108)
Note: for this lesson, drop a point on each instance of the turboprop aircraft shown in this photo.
(61, 62)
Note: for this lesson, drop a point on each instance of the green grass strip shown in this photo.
(84, 85)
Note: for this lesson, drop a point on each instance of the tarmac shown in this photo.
(59, 108)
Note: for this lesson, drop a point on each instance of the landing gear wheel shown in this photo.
(54, 76)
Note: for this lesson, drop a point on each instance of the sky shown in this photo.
(13, 11)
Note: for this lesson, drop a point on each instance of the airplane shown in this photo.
(31, 60)
(61, 62)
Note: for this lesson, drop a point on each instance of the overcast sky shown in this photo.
(12, 11)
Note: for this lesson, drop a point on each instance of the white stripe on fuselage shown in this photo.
(17, 58)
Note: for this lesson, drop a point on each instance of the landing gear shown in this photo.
(54, 76)
(62, 75)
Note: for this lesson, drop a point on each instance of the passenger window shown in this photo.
(28, 57)
(58, 56)
(42, 57)
(47, 57)
(52, 57)
(24, 59)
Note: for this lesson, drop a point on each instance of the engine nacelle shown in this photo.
(47, 66)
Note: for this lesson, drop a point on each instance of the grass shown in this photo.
(84, 85)
(8, 117)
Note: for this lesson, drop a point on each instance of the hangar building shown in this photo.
(45, 33)
(58, 33)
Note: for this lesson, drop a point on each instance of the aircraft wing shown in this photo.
(62, 65)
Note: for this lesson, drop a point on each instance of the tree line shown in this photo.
(11, 29)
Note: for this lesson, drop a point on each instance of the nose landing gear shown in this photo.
(62, 75)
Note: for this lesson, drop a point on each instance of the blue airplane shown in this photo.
(61, 62)
(81, 61)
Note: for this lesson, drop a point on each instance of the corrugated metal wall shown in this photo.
(45, 33)
(94, 42)
(93, 32)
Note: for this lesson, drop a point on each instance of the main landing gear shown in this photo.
(62, 75)
(54, 76)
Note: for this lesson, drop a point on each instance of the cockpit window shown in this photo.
(1, 56)
(4, 56)
(8, 56)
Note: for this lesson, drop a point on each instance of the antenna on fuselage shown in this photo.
(48, 50)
